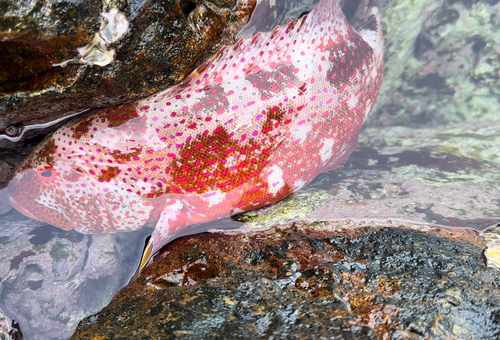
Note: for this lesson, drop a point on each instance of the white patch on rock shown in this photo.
(275, 179)
(114, 25)
(326, 150)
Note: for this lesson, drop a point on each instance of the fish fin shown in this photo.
(371, 29)
(325, 26)
(146, 256)
(172, 219)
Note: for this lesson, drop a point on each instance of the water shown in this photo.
(429, 154)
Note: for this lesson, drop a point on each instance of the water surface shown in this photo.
(429, 154)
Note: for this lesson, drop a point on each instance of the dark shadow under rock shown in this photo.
(342, 280)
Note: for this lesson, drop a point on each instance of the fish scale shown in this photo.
(250, 126)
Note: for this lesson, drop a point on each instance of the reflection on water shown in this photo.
(51, 278)
(437, 165)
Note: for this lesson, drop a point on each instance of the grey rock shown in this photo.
(51, 278)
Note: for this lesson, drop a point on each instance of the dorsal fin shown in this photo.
(324, 27)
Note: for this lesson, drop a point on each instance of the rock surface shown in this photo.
(343, 280)
(162, 43)
(51, 278)
(430, 147)
(443, 63)
(429, 154)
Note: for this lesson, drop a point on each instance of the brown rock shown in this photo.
(326, 280)
(142, 47)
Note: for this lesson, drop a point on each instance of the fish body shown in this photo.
(250, 126)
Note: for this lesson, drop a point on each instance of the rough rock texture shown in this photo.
(163, 44)
(10, 159)
(432, 142)
(492, 240)
(430, 160)
(4, 201)
(51, 279)
(315, 281)
(9, 330)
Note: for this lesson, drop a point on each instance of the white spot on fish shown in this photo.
(298, 184)
(301, 132)
(326, 150)
(275, 179)
(215, 197)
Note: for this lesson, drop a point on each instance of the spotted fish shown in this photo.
(247, 128)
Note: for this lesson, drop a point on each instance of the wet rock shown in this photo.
(51, 278)
(429, 150)
(344, 280)
(4, 201)
(9, 330)
(492, 253)
(442, 63)
(59, 58)
(10, 159)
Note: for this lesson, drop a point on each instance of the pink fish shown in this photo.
(249, 127)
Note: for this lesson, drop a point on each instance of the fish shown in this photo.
(249, 127)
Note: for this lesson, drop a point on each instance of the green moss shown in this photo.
(293, 208)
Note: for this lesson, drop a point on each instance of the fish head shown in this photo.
(58, 185)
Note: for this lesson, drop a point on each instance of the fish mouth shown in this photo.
(60, 221)
(21, 209)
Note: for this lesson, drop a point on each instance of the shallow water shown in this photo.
(51, 278)
(429, 154)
